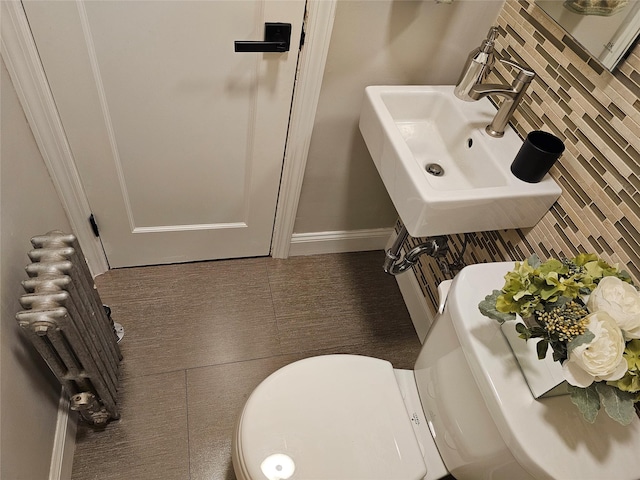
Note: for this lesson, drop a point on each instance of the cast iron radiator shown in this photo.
(68, 325)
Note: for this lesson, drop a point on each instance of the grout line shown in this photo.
(186, 406)
(273, 304)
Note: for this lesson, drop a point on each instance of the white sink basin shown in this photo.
(406, 128)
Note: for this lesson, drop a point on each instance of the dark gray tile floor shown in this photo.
(200, 337)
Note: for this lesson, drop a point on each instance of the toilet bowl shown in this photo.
(291, 417)
(465, 409)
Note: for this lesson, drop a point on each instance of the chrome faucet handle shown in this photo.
(525, 74)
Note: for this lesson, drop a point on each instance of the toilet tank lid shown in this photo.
(336, 416)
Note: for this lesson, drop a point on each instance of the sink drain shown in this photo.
(434, 169)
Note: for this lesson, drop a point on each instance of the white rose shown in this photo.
(620, 300)
(600, 359)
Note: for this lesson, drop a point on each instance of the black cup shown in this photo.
(537, 155)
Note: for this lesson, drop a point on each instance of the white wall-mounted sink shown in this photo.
(407, 128)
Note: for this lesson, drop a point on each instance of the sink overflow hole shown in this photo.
(434, 169)
(469, 142)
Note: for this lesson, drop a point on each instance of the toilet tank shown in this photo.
(485, 421)
(467, 438)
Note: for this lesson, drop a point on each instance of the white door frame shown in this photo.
(21, 57)
(318, 26)
(23, 63)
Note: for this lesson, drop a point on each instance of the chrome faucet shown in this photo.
(512, 93)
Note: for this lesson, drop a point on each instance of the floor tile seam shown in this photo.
(273, 306)
(234, 362)
(329, 350)
(280, 355)
(137, 376)
(186, 407)
(347, 313)
(130, 377)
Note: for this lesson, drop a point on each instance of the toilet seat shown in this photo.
(338, 417)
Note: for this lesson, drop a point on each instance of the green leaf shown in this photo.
(585, 290)
(583, 258)
(559, 352)
(534, 261)
(624, 276)
(542, 347)
(524, 332)
(594, 269)
(587, 400)
(586, 337)
(617, 404)
(629, 383)
(632, 355)
(559, 303)
(553, 265)
(488, 308)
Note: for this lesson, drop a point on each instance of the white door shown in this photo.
(179, 141)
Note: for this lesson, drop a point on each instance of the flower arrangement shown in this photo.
(588, 312)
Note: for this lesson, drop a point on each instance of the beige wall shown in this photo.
(376, 43)
(29, 206)
(597, 114)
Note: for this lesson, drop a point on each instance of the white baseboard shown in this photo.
(416, 303)
(64, 443)
(338, 242)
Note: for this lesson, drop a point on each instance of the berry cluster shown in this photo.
(566, 322)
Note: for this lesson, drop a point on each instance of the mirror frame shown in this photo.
(614, 37)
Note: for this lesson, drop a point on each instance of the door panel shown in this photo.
(179, 141)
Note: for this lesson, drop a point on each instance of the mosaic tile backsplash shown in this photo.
(597, 115)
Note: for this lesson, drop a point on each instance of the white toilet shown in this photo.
(465, 410)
